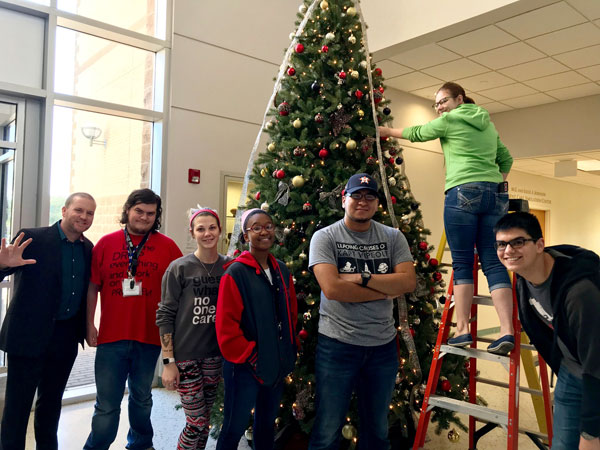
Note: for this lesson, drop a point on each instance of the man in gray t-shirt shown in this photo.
(360, 266)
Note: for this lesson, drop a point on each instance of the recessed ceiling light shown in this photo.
(589, 165)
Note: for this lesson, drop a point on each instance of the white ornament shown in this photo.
(265, 207)
(387, 154)
(330, 36)
(392, 181)
(292, 36)
(302, 255)
(271, 147)
(302, 9)
(297, 123)
(287, 230)
(363, 64)
(352, 39)
(354, 74)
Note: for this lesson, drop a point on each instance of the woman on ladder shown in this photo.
(477, 164)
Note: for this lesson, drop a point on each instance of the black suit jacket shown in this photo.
(31, 314)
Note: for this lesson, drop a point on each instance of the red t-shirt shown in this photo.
(130, 318)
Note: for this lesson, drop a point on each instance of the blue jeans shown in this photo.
(117, 362)
(242, 393)
(341, 368)
(567, 410)
(470, 212)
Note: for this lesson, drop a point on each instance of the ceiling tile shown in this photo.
(510, 91)
(496, 107)
(412, 81)
(534, 69)
(542, 20)
(428, 92)
(480, 99)
(572, 38)
(589, 8)
(557, 81)
(593, 72)
(484, 81)
(456, 69)
(529, 100)
(478, 41)
(508, 55)
(392, 69)
(582, 90)
(425, 56)
(580, 58)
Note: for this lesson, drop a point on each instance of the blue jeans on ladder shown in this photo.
(470, 212)
(567, 410)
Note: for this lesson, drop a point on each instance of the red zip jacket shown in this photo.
(256, 320)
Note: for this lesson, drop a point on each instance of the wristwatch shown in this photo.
(366, 277)
(168, 361)
(587, 436)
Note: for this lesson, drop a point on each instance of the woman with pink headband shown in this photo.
(186, 320)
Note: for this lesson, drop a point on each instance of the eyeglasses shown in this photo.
(442, 101)
(514, 243)
(258, 228)
(360, 196)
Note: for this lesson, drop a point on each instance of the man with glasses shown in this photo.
(558, 289)
(360, 266)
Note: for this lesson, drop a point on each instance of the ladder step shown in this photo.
(505, 385)
(536, 433)
(478, 411)
(483, 300)
(490, 340)
(474, 353)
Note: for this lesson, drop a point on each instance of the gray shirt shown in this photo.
(540, 301)
(378, 251)
(188, 306)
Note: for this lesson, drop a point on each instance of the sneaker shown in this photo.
(502, 346)
(461, 341)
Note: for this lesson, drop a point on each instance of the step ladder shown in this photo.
(508, 420)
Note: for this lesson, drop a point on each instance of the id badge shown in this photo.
(131, 288)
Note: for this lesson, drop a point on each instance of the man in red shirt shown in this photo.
(127, 269)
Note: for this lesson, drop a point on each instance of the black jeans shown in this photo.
(48, 373)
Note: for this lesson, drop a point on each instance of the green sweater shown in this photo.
(472, 148)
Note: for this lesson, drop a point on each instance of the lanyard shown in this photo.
(133, 252)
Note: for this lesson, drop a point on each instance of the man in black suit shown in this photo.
(46, 318)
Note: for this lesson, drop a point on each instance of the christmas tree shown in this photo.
(321, 130)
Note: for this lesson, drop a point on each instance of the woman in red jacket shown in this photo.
(256, 321)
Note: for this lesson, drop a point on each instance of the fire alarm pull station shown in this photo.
(194, 176)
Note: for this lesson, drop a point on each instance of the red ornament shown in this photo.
(380, 89)
(324, 49)
(391, 161)
(378, 72)
(377, 96)
(437, 276)
(426, 256)
(323, 153)
(394, 200)
(319, 118)
(303, 334)
(257, 195)
(283, 108)
(280, 174)
(307, 207)
(412, 332)
(342, 75)
(299, 48)
(237, 252)
(358, 94)
(446, 386)
(433, 262)
(371, 161)
(423, 245)
(291, 71)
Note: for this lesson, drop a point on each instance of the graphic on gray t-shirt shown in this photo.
(377, 251)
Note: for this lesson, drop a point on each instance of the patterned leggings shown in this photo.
(198, 381)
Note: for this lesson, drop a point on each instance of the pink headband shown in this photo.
(205, 210)
(245, 216)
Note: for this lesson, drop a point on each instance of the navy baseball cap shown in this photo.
(360, 181)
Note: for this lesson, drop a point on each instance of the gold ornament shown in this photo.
(302, 255)
(361, 113)
(298, 181)
(263, 172)
(354, 74)
(271, 146)
(453, 435)
(277, 421)
(310, 300)
(352, 39)
(351, 144)
(324, 5)
(248, 434)
(351, 11)
(348, 431)
(270, 125)
(297, 123)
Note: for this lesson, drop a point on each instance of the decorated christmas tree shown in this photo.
(321, 129)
